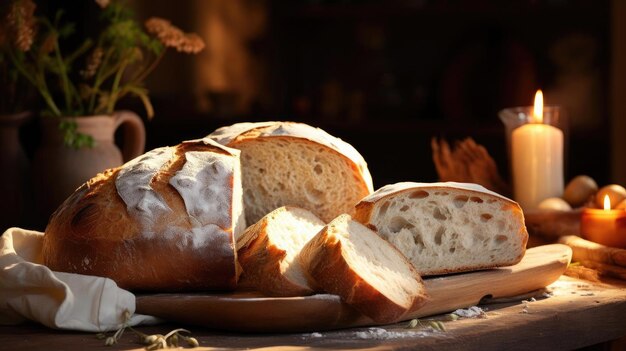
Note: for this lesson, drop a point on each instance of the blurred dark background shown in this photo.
(387, 76)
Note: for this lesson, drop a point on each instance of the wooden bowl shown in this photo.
(552, 224)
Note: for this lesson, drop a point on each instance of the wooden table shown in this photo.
(575, 314)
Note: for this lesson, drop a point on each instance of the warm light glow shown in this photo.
(538, 110)
(607, 203)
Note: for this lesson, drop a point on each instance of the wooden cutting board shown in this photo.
(252, 312)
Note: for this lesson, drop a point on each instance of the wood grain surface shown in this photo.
(252, 312)
(572, 314)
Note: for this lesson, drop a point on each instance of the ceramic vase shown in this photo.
(58, 169)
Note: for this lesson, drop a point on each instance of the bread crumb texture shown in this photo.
(286, 163)
(439, 225)
(270, 248)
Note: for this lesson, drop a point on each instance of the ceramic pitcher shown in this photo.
(58, 169)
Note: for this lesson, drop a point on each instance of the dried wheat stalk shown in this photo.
(467, 162)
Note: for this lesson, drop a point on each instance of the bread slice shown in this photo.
(447, 227)
(268, 251)
(350, 260)
(287, 163)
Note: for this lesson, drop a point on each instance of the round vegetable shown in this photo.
(554, 203)
(616, 193)
(579, 190)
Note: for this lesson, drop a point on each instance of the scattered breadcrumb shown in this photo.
(370, 333)
(546, 294)
(471, 312)
(525, 308)
(380, 333)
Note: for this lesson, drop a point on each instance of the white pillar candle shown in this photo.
(537, 153)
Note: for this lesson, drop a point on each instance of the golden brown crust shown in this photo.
(261, 263)
(326, 265)
(363, 213)
(93, 233)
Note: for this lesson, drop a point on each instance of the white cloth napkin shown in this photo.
(30, 290)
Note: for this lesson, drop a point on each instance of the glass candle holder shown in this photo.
(537, 153)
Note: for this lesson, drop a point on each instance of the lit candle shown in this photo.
(604, 226)
(537, 158)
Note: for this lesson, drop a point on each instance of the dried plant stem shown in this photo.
(115, 88)
(149, 69)
(101, 77)
(142, 93)
(78, 52)
(64, 78)
(38, 81)
(606, 269)
(581, 272)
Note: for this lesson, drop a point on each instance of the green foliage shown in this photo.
(74, 139)
(92, 77)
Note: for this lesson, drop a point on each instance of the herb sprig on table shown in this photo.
(174, 339)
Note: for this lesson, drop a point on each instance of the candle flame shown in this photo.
(607, 203)
(538, 110)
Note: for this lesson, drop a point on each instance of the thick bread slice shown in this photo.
(350, 260)
(165, 221)
(268, 251)
(447, 227)
(287, 163)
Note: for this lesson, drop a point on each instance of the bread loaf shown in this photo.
(286, 163)
(447, 227)
(268, 251)
(350, 260)
(165, 221)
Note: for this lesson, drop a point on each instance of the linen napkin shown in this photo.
(30, 290)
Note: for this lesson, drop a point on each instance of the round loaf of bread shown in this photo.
(165, 221)
(287, 163)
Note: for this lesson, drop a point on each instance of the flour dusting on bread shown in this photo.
(165, 221)
(203, 183)
(133, 185)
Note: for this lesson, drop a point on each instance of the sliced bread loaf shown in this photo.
(267, 251)
(350, 260)
(287, 163)
(447, 227)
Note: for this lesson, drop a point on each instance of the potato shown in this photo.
(616, 193)
(579, 190)
(555, 204)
